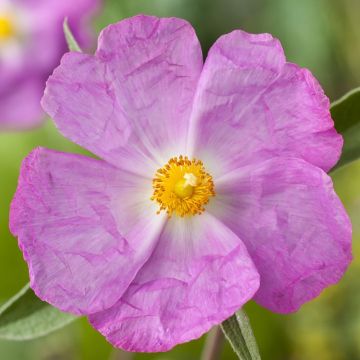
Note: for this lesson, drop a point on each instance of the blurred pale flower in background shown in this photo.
(31, 44)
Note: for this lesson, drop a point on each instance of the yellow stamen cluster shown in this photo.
(182, 187)
(7, 29)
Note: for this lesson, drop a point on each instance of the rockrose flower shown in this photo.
(211, 189)
(31, 44)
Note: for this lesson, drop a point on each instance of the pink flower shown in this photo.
(31, 45)
(241, 206)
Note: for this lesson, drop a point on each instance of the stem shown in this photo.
(213, 344)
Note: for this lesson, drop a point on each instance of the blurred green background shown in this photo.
(322, 35)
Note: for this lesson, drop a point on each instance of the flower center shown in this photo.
(7, 29)
(182, 187)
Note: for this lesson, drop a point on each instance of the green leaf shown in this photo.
(26, 317)
(346, 115)
(70, 39)
(237, 330)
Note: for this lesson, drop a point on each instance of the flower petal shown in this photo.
(251, 106)
(199, 274)
(85, 229)
(134, 96)
(293, 225)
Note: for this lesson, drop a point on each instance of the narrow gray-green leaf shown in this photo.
(70, 39)
(346, 115)
(237, 330)
(25, 317)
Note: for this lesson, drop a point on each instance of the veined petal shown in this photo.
(85, 229)
(134, 96)
(251, 106)
(293, 225)
(198, 275)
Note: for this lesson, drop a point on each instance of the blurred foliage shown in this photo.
(24, 317)
(323, 35)
(346, 115)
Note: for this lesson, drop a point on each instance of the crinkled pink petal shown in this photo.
(293, 225)
(199, 274)
(251, 106)
(85, 229)
(134, 96)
